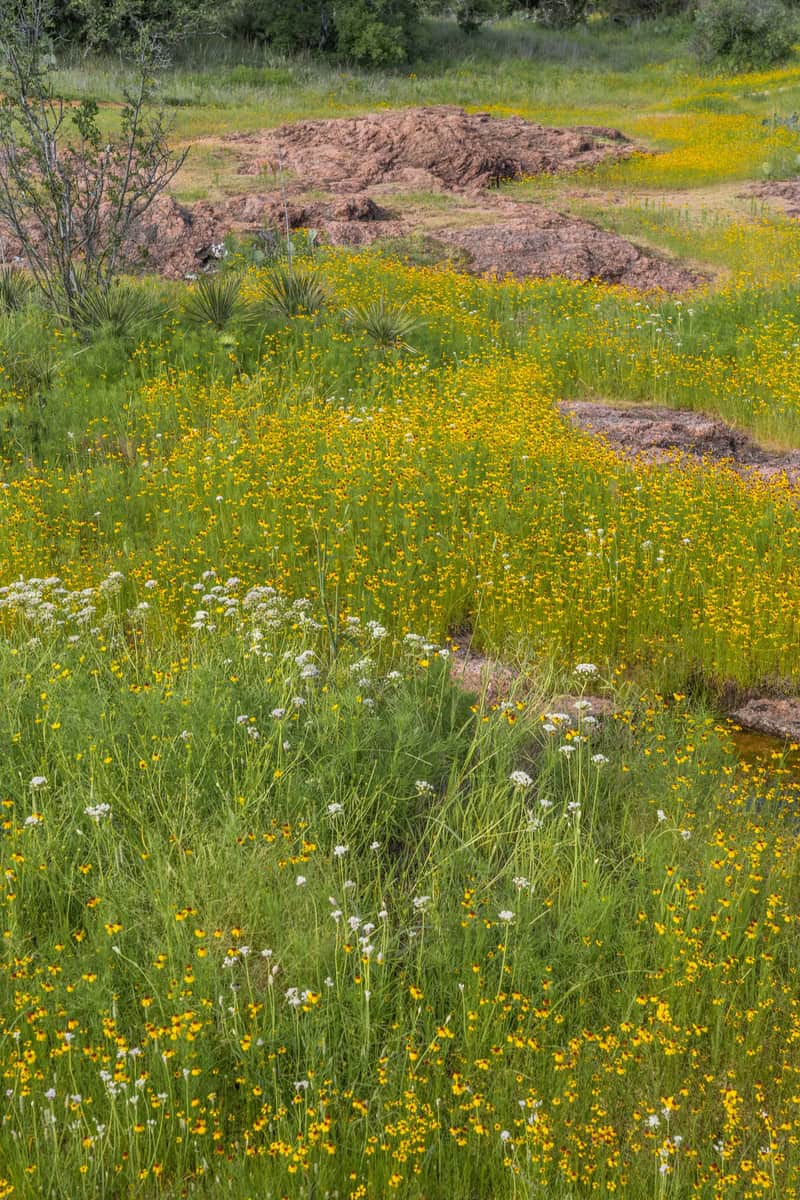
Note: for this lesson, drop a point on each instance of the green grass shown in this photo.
(367, 936)
(507, 64)
(286, 913)
(602, 73)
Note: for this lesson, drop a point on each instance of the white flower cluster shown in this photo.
(98, 812)
(49, 604)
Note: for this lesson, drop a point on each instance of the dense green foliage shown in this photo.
(744, 35)
(367, 32)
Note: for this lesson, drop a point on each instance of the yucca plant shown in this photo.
(16, 289)
(388, 325)
(27, 362)
(119, 311)
(291, 291)
(214, 301)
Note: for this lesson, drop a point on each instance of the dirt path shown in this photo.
(720, 200)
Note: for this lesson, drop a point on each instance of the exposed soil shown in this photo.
(537, 242)
(181, 239)
(438, 147)
(488, 678)
(785, 192)
(659, 434)
(327, 166)
(522, 240)
(776, 717)
(496, 684)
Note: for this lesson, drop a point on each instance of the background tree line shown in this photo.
(372, 32)
(738, 33)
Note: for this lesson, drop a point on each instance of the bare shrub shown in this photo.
(70, 196)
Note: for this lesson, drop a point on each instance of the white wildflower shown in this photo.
(98, 811)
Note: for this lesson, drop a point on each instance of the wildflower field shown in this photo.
(286, 912)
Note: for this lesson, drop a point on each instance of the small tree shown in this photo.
(744, 35)
(68, 195)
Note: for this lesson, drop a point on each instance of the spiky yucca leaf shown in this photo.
(16, 289)
(388, 325)
(215, 300)
(291, 291)
(118, 311)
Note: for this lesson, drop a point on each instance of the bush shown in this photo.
(561, 14)
(553, 14)
(304, 25)
(744, 35)
(111, 24)
(120, 311)
(373, 32)
(630, 11)
(471, 14)
(70, 195)
(16, 289)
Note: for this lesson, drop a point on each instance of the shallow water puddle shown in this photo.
(760, 753)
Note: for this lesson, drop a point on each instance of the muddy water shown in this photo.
(760, 751)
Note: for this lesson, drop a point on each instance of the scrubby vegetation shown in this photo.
(744, 35)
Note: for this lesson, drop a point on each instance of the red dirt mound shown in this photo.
(422, 148)
(659, 434)
(521, 240)
(178, 240)
(528, 242)
(426, 148)
(777, 717)
(539, 242)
